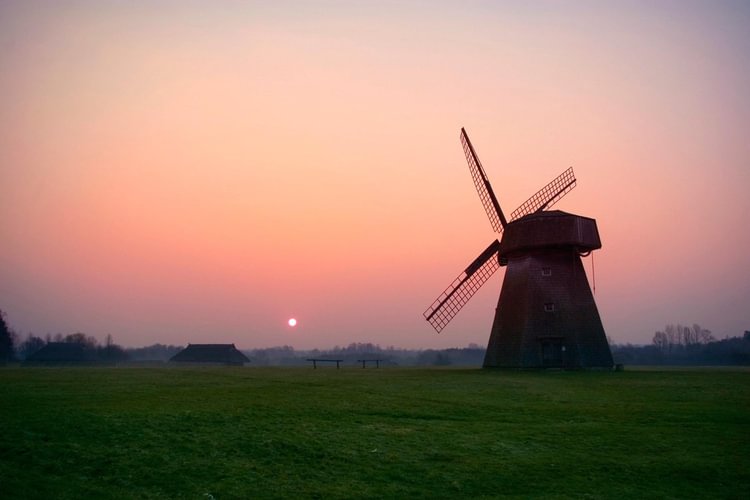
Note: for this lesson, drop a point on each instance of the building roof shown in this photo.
(63, 352)
(210, 353)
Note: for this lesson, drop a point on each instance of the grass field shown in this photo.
(385, 433)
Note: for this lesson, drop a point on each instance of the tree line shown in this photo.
(685, 345)
(109, 352)
(674, 345)
(14, 348)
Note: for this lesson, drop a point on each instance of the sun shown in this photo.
(292, 322)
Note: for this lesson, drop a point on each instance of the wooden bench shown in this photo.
(315, 361)
(365, 361)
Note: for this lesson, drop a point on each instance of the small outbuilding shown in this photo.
(211, 354)
(62, 354)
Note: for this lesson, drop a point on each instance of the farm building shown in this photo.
(63, 353)
(215, 354)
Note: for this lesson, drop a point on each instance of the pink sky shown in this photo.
(203, 171)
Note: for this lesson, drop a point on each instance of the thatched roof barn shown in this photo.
(63, 353)
(215, 354)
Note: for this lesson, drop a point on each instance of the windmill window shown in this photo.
(549, 307)
(546, 271)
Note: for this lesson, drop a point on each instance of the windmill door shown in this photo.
(552, 350)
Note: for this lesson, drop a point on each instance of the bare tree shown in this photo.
(81, 338)
(678, 338)
(702, 336)
(661, 341)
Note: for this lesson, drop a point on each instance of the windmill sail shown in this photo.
(458, 293)
(484, 189)
(548, 195)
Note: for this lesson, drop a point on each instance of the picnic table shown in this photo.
(315, 361)
(365, 361)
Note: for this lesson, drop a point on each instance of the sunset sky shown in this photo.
(185, 171)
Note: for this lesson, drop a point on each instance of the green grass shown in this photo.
(387, 433)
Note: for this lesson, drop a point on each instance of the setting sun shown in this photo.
(292, 322)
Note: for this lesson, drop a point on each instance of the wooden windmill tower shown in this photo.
(546, 315)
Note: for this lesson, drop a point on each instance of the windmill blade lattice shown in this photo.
(458, 293)
(548, 195)
(484, 189)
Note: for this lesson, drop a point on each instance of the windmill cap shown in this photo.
(549, 229)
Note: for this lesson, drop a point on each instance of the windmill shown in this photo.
(546, 315)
